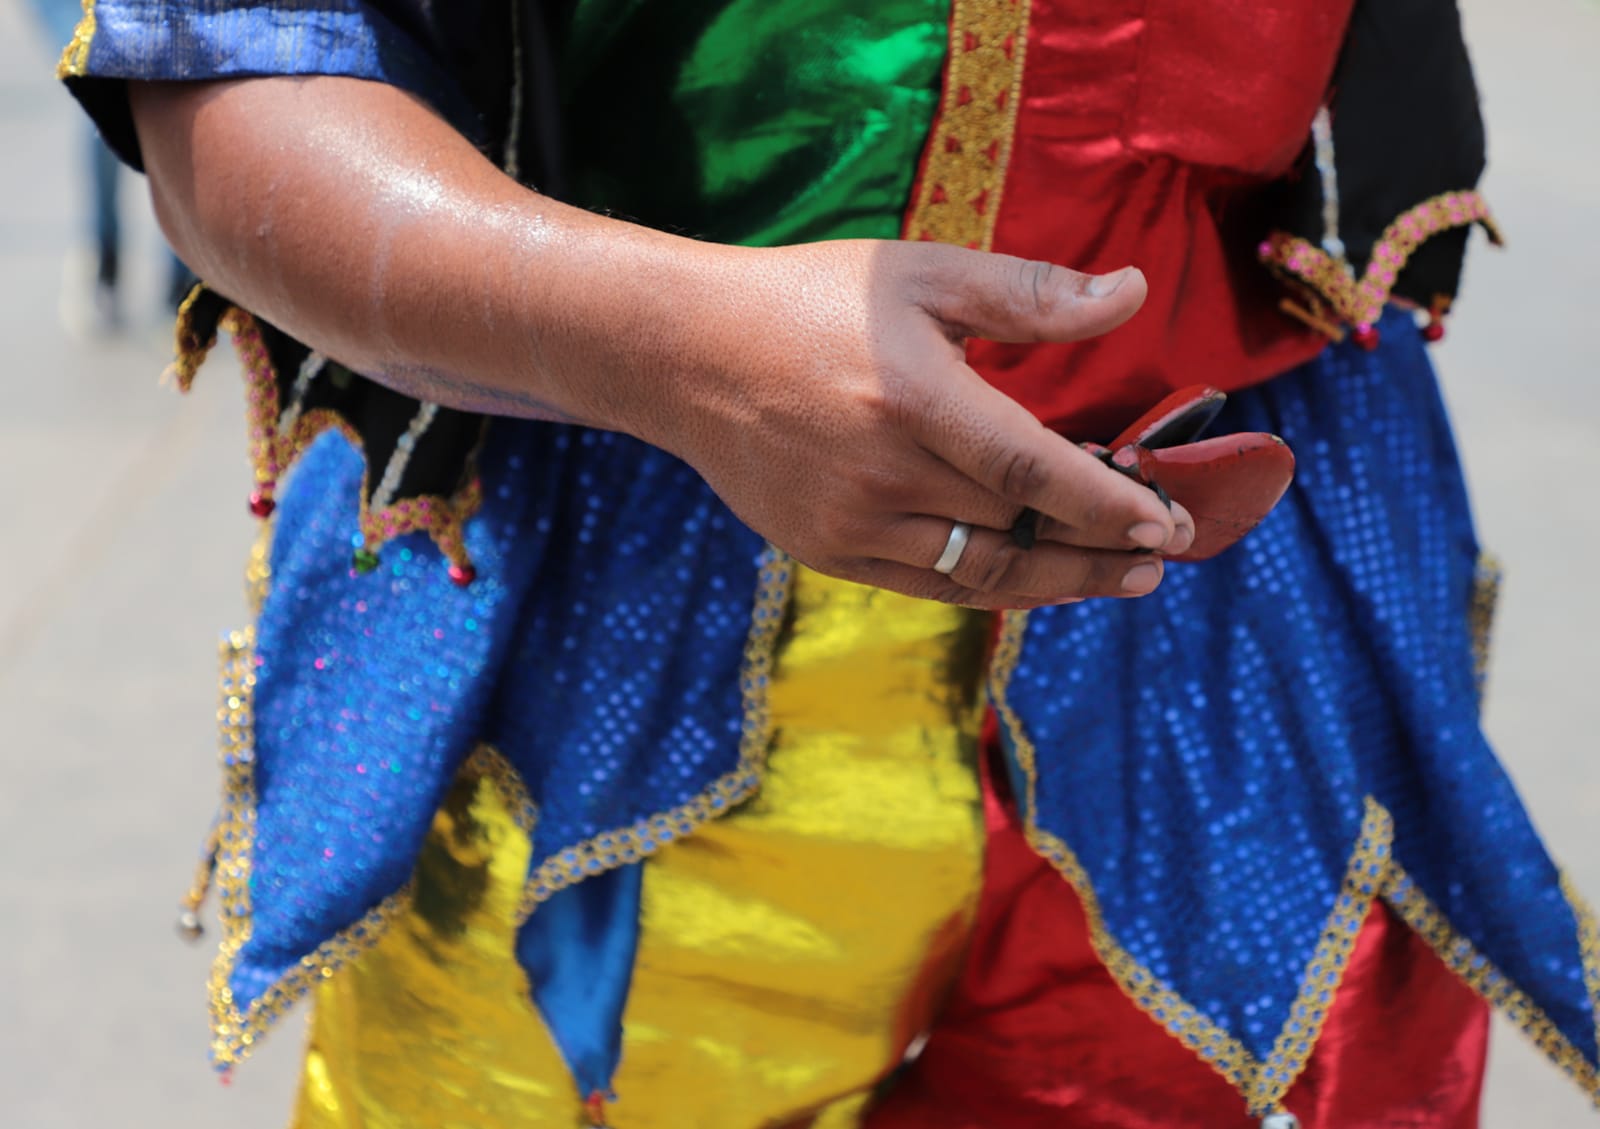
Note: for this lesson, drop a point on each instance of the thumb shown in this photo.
(1004, 298)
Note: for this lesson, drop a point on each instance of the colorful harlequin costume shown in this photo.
(567, 796)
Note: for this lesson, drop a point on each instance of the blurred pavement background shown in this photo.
(125, 531)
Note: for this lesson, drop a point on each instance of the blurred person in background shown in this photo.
(95, 305)
(569, 792)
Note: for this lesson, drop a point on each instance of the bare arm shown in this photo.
(821, 390)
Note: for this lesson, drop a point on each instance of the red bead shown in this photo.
(462, 575)
(225, 1077)
(1366, 336)
(261, 505)
(1433, 331)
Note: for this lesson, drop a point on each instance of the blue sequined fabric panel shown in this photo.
(623, 685)
(371, 689)
(1206, 751)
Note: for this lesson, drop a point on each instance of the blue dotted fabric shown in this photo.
(599, 649)
(621, 698)
(1206, 751)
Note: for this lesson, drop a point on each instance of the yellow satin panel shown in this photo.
(789, 952)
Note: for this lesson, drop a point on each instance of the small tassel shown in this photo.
(595, 1107)
(189, 925)
(461, 575)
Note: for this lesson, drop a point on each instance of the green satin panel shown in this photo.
(764, 123)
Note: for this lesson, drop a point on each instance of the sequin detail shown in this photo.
(234, 1032)
(1372, 872)
(258, 570)
(257, 581)
(1589, 945)
(625, 845)
(1208, 752)
(1262, 1084)
(75, 55)
(957, 197)
(812, 997)
(280, 433)
(272, 452)
(1332, 293)
(1463, 958)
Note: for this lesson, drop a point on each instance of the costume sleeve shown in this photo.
(392, 41)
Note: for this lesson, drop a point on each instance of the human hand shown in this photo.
(822, 390)
(830, 405)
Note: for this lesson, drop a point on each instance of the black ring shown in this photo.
(1025, 530)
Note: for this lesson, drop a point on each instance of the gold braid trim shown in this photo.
(1589, 946)
(257, 582)
(75, 55)
(272, 453)
(624, 845)
(189, 349)
(1463, 958)
(957, 197)
(488, 763)
(1329, 283)
(1372, 873)
(258, 571)
(234, 1033)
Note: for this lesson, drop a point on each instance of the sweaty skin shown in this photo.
(821, 390)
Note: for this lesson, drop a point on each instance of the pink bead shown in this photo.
(261, 505)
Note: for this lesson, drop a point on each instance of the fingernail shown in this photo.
(1148, 535)
(1141, 578)
(1105, 285)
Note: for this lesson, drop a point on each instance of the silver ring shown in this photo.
(960, 534)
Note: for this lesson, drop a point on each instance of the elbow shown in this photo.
(188, 179)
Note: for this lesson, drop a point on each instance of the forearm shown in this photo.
(821, 390)
(351, 216)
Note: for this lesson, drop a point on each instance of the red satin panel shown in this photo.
(1038, 1036)
(1142, 130)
